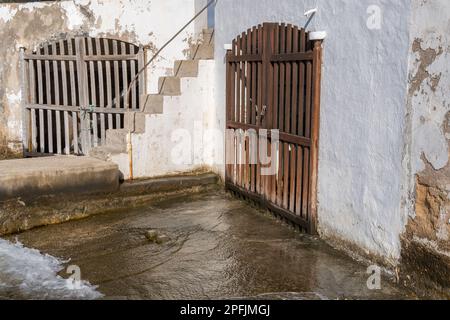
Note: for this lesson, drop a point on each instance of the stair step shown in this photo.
(208, 36)
(152, 103)
(169, 86)
(186, 68)
(208, 30)
(135, 122)
(202, 51)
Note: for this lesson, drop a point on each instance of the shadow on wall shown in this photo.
(211, 16)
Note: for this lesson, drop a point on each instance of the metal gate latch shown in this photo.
(263, 112)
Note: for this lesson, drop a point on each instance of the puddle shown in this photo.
(215, 247)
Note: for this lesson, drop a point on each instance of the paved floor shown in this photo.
(212, 246)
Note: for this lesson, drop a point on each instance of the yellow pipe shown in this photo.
(130, 153)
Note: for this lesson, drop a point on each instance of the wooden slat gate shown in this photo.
(73, 91)
(273, 82)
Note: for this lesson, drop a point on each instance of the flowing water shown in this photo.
(27, 274)
(209, 246)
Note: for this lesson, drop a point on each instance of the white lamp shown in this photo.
(317, 35)
(314, 35)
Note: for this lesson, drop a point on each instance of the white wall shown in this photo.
(181, 139)
(362, 110)
(201, 21)
(150, 23)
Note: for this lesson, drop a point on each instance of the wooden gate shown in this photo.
(73, 91)
(273, 82)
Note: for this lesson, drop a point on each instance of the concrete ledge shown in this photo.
(34, 177)
(24, 214)
(165, 184)
(425, 269)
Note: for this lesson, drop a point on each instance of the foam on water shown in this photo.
(28, 274)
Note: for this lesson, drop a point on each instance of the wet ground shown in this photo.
(215, 246)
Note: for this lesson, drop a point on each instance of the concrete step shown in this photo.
(117, 138)
(32, 177)
(17, 216)
(152, 103)
(105, 153)
(208, 36)
(169, 86)
(202, 52)
(167, 184)
(134, 122)
(186, 68)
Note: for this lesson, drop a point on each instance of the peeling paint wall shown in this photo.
(148, 23)
(426, 240)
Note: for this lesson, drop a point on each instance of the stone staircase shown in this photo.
(153, 104)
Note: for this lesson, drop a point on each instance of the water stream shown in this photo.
(28, 274)
(214, 246)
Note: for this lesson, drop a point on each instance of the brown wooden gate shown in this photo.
(273, 82)
(73, 91)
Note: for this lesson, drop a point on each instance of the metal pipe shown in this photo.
(130, 155)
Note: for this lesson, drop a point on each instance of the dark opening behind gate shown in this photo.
(273, 82)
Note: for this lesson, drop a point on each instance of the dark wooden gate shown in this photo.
(73, 91)
(273, 82)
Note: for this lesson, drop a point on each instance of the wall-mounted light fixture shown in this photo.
(314, 35)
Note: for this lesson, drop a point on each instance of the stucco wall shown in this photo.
(363, 110)
(150, 23)
(181, 138)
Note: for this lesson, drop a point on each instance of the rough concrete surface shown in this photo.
(168, 183)
(33, 177)
(21, 214)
